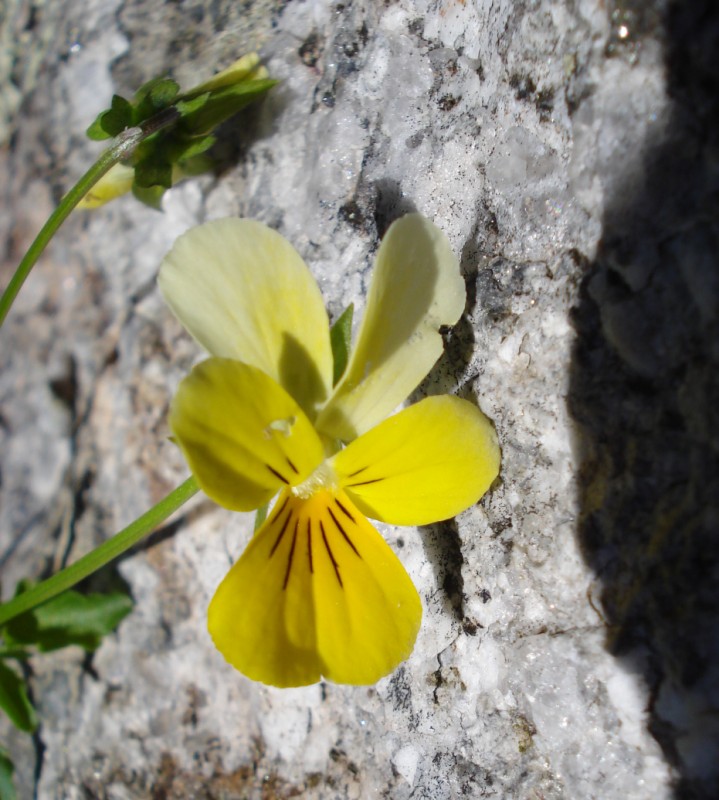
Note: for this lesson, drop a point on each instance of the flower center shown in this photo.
(323, 477)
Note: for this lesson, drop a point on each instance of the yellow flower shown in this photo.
(318, 592)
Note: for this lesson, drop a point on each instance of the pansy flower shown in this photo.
(318, 592)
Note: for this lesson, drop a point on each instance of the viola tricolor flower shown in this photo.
(318, 592)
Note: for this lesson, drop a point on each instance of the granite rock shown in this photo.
(569, 151)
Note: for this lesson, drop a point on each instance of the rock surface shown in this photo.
(569, 151)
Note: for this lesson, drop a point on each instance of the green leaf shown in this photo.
(7, 787)
(14, 700)
(222, 104)
(153, 172)
(341, 341)
(70, 618)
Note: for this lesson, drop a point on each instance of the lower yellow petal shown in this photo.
(243, 436)
(316, 593)
(427, 463)
(368, 612)
(261, 621)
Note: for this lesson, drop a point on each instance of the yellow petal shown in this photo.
(243, 436)
(246, 67)
(416, 288)
(317, 592)
(425, 464)
(244, 292)
(115, 182)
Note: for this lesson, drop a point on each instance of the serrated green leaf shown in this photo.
(70, 618)
(223, 104)
(153, 172)
(341, 341)
(150, 196)
(7, 787)
(14, 700)
(84, 615)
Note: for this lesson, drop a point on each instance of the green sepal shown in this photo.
(182, 149)
(151, 196)
(70, 618)
(7, 787)
(197, 165)
(341, 341)
(96, 131)
(14, 700)
(222, 104)
(152, 171)
(113, 120)
(192, 104)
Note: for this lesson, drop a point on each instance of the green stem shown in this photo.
(101, 555)
(122, 148)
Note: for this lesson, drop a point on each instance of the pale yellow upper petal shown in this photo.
(244, 292)
(416, 289)
(242, 434)
(425, 464)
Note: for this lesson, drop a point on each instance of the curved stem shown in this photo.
(101, 555)
(122, 148)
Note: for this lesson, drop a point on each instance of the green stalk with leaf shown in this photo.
(159, 137)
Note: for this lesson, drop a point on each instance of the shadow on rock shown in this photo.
(645, 393)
